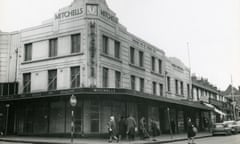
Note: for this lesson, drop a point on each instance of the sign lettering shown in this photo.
(69, 13)
(109, 16)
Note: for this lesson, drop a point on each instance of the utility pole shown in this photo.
(233, 100)
(190, 78)
(15, 80)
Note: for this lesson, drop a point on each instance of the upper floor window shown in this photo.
(105, 77)
(161, 89)
(53, 45)
(52, 79)
(202, 93)
(76, 43)
(28, 52)
(141, 59)
(132, 55)
(117, 79)
(188, 90)
(133, 79)
(182, 88)
(176, 86)
(160, 66)
(154, 87)
(27, 82)
(168, 83)
(75, 77)
(105, 44)
(198, 95)
(117, 49)
(141, 85)
(153, 63)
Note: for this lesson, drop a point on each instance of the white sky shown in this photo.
(212, 27)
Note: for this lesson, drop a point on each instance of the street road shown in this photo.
(11, 143)
(233, 139)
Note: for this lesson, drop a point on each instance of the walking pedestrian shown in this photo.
(154, 129)
(112, 130)
(131, 125)
(142, 129)
(190, 132)
(173, 126)
(122, 128)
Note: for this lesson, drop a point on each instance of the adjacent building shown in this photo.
(233, 95)
(204, 91)
(9, 43)
(85, 51)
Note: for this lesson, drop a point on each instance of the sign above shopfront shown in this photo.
(108, 16)
(69, 13)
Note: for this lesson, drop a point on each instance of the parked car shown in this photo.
(232, 125)
(237, 126)
(221, 128)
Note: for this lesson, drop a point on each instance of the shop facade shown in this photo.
(50, 114)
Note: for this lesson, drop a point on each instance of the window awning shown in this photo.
(219, 112)
(215, 109)
(107, 91)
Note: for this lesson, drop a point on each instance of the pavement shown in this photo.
(54, 140)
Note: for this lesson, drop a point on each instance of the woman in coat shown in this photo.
(131, 125)
(190, 133)
(112, 129)
(142, 128)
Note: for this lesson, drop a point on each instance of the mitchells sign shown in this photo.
(91, 9)
(109, 16)
(69, 13)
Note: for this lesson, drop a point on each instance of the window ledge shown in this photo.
(110, 57)
(137, 67)
(51, 58)
(178, 95)
(174, 94)
(157, 74)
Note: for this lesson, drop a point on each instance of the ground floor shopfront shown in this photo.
(49, 113)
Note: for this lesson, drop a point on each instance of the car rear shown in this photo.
(232, 125)
(220, 128)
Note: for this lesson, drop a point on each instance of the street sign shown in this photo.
(73, 101)
(234, 103)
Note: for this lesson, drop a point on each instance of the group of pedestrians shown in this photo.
(127, 128)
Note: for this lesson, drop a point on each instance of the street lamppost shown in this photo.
(6, 127)
(169, 122)
(73, 103)
(234, 110)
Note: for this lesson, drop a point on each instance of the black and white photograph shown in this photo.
(119, 71)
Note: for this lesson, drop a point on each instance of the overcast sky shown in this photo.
(212, 27)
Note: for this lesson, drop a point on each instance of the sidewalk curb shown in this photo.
(152, 142)
(175, 140)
